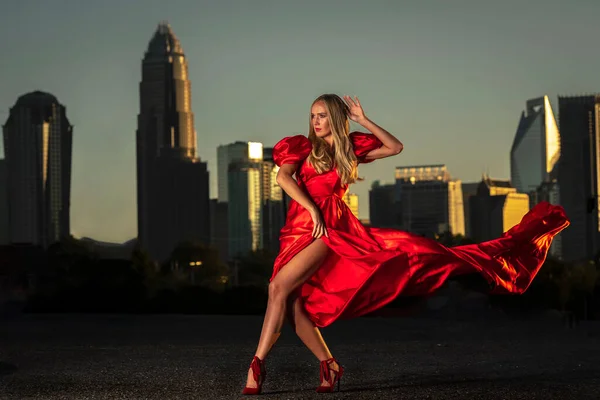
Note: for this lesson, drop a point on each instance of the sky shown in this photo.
(449, 79)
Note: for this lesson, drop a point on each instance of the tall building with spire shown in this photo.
(535, 150)
(38, 142)
(172, 183)
(535, 156)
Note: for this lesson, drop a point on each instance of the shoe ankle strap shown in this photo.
(325, 369)
(257, 366)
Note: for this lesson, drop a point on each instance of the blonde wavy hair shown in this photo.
(343, 157)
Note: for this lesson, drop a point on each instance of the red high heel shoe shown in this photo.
(326, 376)
(259, 373)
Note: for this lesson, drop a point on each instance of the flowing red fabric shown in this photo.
(369, 267)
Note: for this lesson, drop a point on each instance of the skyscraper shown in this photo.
(274, 213)
(468, 190)
(495, 208)
(579, 175)
(230, 153)
(219, 228)
(38, 140)
(271, 189)
(3, 203)
(385, 208)
(245, 207)
(351, 200)
(536, 147)
(172, 183)
(535, 156)
(241, 185)
(431, 200)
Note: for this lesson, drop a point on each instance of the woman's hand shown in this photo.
(319, 228)
(391, 145)
(355, 110)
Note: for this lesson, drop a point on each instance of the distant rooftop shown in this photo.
(164, 42)
(414, 173)
(39, 103)
(35, 99)
(495, 182)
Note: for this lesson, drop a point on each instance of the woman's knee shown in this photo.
(278, 290)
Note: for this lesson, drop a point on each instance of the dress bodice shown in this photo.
(320, 185)
(295, 150)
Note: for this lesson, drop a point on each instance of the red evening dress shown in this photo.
(369, 267)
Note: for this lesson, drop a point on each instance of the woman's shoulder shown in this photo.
(295, 140)
(363, 143)
(291, 150)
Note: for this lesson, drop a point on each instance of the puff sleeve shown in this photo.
(291, 150)
(363, 143)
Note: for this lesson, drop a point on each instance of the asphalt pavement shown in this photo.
(207, 357)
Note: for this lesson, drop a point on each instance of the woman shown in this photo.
(330, 266)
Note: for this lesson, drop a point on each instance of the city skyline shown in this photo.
(248, 87)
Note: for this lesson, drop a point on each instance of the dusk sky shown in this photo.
(449, 78)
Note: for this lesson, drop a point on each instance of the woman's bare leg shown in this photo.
(291, 276)
(306, 329)
(308, 332)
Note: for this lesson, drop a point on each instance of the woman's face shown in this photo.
(319, 118)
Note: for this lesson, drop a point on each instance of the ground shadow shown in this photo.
(418, 381)
(7, 369)
(429, 382)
